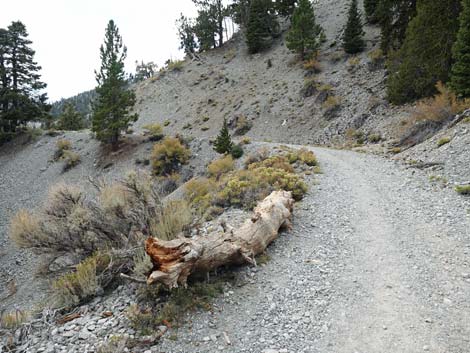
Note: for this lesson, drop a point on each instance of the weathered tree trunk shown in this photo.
(175, 260)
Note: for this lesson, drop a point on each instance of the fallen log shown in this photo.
(174, 260)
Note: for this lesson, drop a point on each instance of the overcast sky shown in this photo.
(67, 34)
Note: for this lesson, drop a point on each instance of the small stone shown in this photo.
(83, 335)
(206, 339)
(425, 348)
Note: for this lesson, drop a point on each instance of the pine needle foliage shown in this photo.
(305, 34)
(223, 142)
(460, 76)
(353, 41)
(111, 110)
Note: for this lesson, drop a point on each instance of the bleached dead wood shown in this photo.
(175, 260)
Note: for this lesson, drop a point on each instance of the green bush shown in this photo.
(168, 155)
(443, 141)
(463, 189)
(237, 151)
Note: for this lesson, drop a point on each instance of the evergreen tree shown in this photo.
(305, 35)
(209, 26)
(285, 7)
(144, 71)
(426, 55)
(70, 119)
(460, 74)
(240, 12)
(370, 6)
(111, 109)
(223, 142)
(393, 17)
(187, 36)
(21, 96)
(261, 27)
(353, 41)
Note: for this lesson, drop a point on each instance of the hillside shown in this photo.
(376, 260)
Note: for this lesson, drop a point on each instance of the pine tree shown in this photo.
(111, 109)
(70, 119)
(285, 7)
(21, 96)
(393, 17)
(223, 142)
(261, 27)
(370, 6)
(460, 74)
(187, 36)
(426, 55)
(305, 35)
(353, 41)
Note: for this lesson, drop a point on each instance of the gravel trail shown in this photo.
(377, 261)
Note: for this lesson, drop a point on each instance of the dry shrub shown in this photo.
(174, 65)
(168, 155)
(312, 65)
(71, 159)
(24, 227)
(221, 166)
(331, 103)
(142, 263)
(154, 132)
(13, 320)
(62, 145)
(441, 107)
(242, 125)
(173, 218)
(257, 156)
(354, 61)
(70, 222)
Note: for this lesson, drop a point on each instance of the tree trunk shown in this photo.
(175, 260)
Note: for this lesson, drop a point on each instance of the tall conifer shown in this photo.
(426, 55)
(111, 109)
(460, 74)
(304, 35)
(353, 41)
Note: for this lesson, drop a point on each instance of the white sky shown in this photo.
(67, 34)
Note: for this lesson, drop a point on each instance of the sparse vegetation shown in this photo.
(71, 159)
(174, 65)
(221, 166)
(331, 103)
(62, 145)
(312, 65)
(75, 287)
(463, 189)
(154, 132)
(443, 141)
(168, 155)
(304, 156)
(441, 107)
(12, 320)
(174, 218)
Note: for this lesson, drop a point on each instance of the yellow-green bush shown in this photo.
(246, 187)
(221, 166)
(303, 155)
(443, 141)
(463, 189)
(72, 288)
(168, 154)
(277, 162)
(200, 192)
(154, 131)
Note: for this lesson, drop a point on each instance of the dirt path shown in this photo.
(378, 261)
